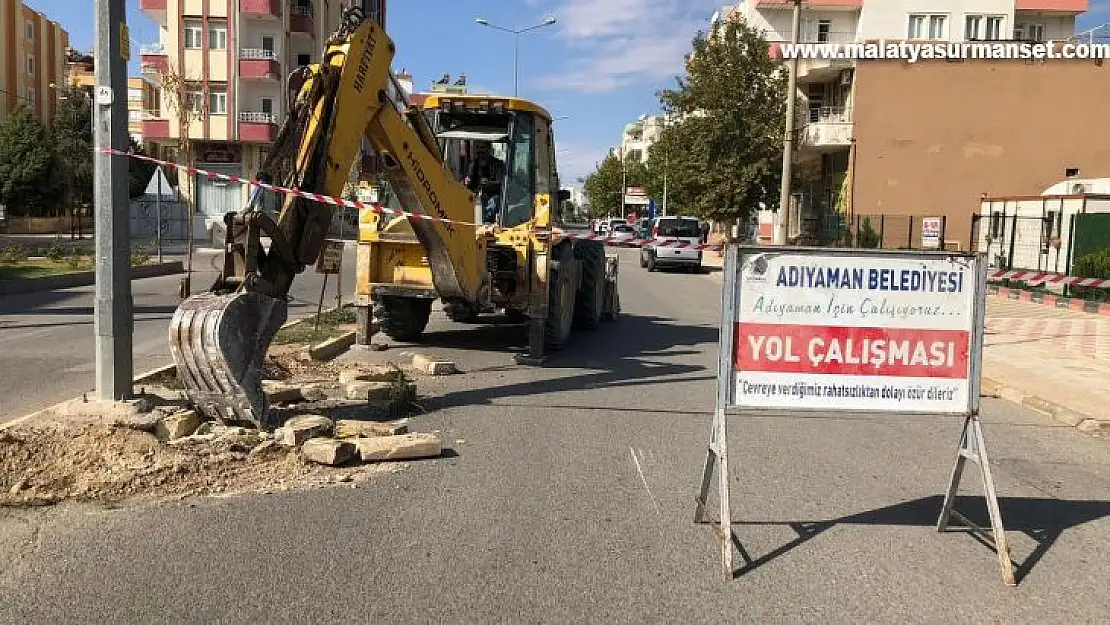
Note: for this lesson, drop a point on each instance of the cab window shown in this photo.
(519, 173)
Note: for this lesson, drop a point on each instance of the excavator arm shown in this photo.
(219, 339)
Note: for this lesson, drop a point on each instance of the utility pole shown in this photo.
(624, 186)
(782, 224)
(112, 307)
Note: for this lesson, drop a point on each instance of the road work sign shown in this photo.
(873, 332)
(815, 330)
(331, 258)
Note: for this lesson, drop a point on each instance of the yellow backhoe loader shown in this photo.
(479, 242)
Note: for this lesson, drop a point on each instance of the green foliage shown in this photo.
(722, 156)
(55, 252)
(12, 254)
(74, 260)
(1093, 265)
(73, 143)
(867, 237)
(603, 187)
(30, 179)
(140, 256)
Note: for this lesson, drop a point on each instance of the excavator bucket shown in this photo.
(219, 343)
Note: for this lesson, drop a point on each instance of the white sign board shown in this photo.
(931, 233)
(856, 330)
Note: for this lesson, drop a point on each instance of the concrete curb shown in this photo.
(1049, 299)
(1063, 414)
(84, 278)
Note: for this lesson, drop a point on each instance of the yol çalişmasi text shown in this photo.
(921, 280)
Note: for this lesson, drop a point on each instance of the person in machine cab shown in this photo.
(484, 178)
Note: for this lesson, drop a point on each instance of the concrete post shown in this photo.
(782, 224)
(112, 307)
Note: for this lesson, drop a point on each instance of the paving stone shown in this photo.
(328, 451)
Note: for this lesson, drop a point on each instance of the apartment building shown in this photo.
(638, 137)
(929, 138)
(142, 95)
(32, 57)
(236, 55)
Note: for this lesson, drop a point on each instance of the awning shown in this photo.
(492, 135)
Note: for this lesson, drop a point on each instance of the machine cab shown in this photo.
(501, 148)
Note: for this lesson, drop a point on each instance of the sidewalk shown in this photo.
(1053, 360)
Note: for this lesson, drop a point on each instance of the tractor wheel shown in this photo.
(461, 312)
(591, 293)
(560, 303)
(651, 263)
(402, 318)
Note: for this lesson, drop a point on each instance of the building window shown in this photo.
(304, 59)
(134, 94)
(194, 100)
(31, 31)
(927, 26)
(994, 28)
(268, 106)
(134, 116)
(1030, 32)
(193, 36)
(269, 44)
(31, 65)
(972, 26)
(217, 35)
(217, 102)
(824, 31)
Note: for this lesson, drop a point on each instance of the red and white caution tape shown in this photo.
(1034, 278)
(378, 208)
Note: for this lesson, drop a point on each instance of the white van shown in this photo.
(667, 231)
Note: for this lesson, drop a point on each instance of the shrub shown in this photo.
(867, 237)
(139, 256)
(1093, 265)
(12, 254)
(55, 252)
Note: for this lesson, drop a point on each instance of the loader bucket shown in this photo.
(219, 343)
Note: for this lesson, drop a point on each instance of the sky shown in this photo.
(600, 66)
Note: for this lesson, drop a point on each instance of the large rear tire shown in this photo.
(461, 312)
(591, 293)
(403, 318)
(560, 303)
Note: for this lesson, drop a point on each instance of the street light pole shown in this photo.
(112, 306)
(516, 33)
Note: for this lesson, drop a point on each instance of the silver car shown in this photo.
(674, 243)
(622, 234)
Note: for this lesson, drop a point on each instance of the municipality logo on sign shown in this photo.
(757, 268)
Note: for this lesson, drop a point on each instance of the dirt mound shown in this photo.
(112, 463)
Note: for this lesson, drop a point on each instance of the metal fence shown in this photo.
(878, 231)
(1052, 242)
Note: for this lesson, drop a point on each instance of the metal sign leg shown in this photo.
(973, 447)
(718, 454)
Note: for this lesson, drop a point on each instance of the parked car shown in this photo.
(643, 231)
(622, 233)
(613, 223)
(661, 251)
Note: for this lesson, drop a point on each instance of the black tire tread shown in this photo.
(591, 293)
(403, 318)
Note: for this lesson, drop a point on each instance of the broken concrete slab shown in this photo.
(282, 392)
(177, 425)
(328, 451)
(400, 447)
(371, 391)
(350, 428)
(302, 428)
(331, 348)
(427, 366)
(368, 374)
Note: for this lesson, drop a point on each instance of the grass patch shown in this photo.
(43, 267)
(332, 324)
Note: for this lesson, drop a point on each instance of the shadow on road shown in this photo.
(1042, 520)
(630, 352)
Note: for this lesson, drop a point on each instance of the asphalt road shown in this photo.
(568, 497)
(47, 342)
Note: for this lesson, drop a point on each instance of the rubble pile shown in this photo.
(340, 425)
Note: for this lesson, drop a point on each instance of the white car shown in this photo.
(674, 243)
(622, 234)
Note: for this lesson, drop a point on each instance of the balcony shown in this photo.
(153, 59)
(260, 9)
(1053, 6)
(301, 21)
(826, 5)
(258, 64)
(257, 127)
(154, 9)
(154, 125)
(826, 128)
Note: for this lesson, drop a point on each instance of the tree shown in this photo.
(603, 188)
(30, 180)
(723, 156)
(73, 142)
